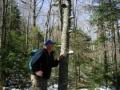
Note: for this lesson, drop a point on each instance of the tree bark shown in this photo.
(3, 40)
(63, 68)
(115, 58)
(34, 13)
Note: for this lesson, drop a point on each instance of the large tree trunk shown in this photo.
(63, 68)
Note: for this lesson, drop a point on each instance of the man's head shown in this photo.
(49, 45)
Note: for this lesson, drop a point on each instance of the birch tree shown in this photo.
(63, 68)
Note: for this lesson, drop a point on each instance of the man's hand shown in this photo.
(39, 73)
(61, 57)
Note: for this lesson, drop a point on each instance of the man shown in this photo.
(42, 67)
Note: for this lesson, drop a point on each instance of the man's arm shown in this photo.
(57, 61)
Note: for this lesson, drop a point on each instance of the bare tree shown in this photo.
(34, 8)
(47, 31)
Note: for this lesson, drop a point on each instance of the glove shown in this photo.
(39, 73)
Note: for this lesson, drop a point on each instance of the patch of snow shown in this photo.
(53, 87)
(83, 89)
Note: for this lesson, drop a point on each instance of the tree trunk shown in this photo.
(27, 32)
(47, 33)
(115, 59)
(76, 73)
(1, 31)
(34, 13)
(3, 40)
(105, 64)
(34, 19)
(63, 68)
(118, 36)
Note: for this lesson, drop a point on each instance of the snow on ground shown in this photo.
(55, 87)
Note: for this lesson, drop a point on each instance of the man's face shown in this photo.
(50, 47)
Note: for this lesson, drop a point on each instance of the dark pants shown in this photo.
(38, 83)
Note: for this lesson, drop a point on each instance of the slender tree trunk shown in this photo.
(3, 40)
(61, 13)
(27, 32)
(102, 34)
(118, 36)
(34, 13)
(76, 73)
(63, 68)
(47, 32)
(0, 22)
(115, 60)
(105, 64)
(34, 20)
(79, 67)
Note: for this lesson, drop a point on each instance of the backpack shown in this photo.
(35, 55)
